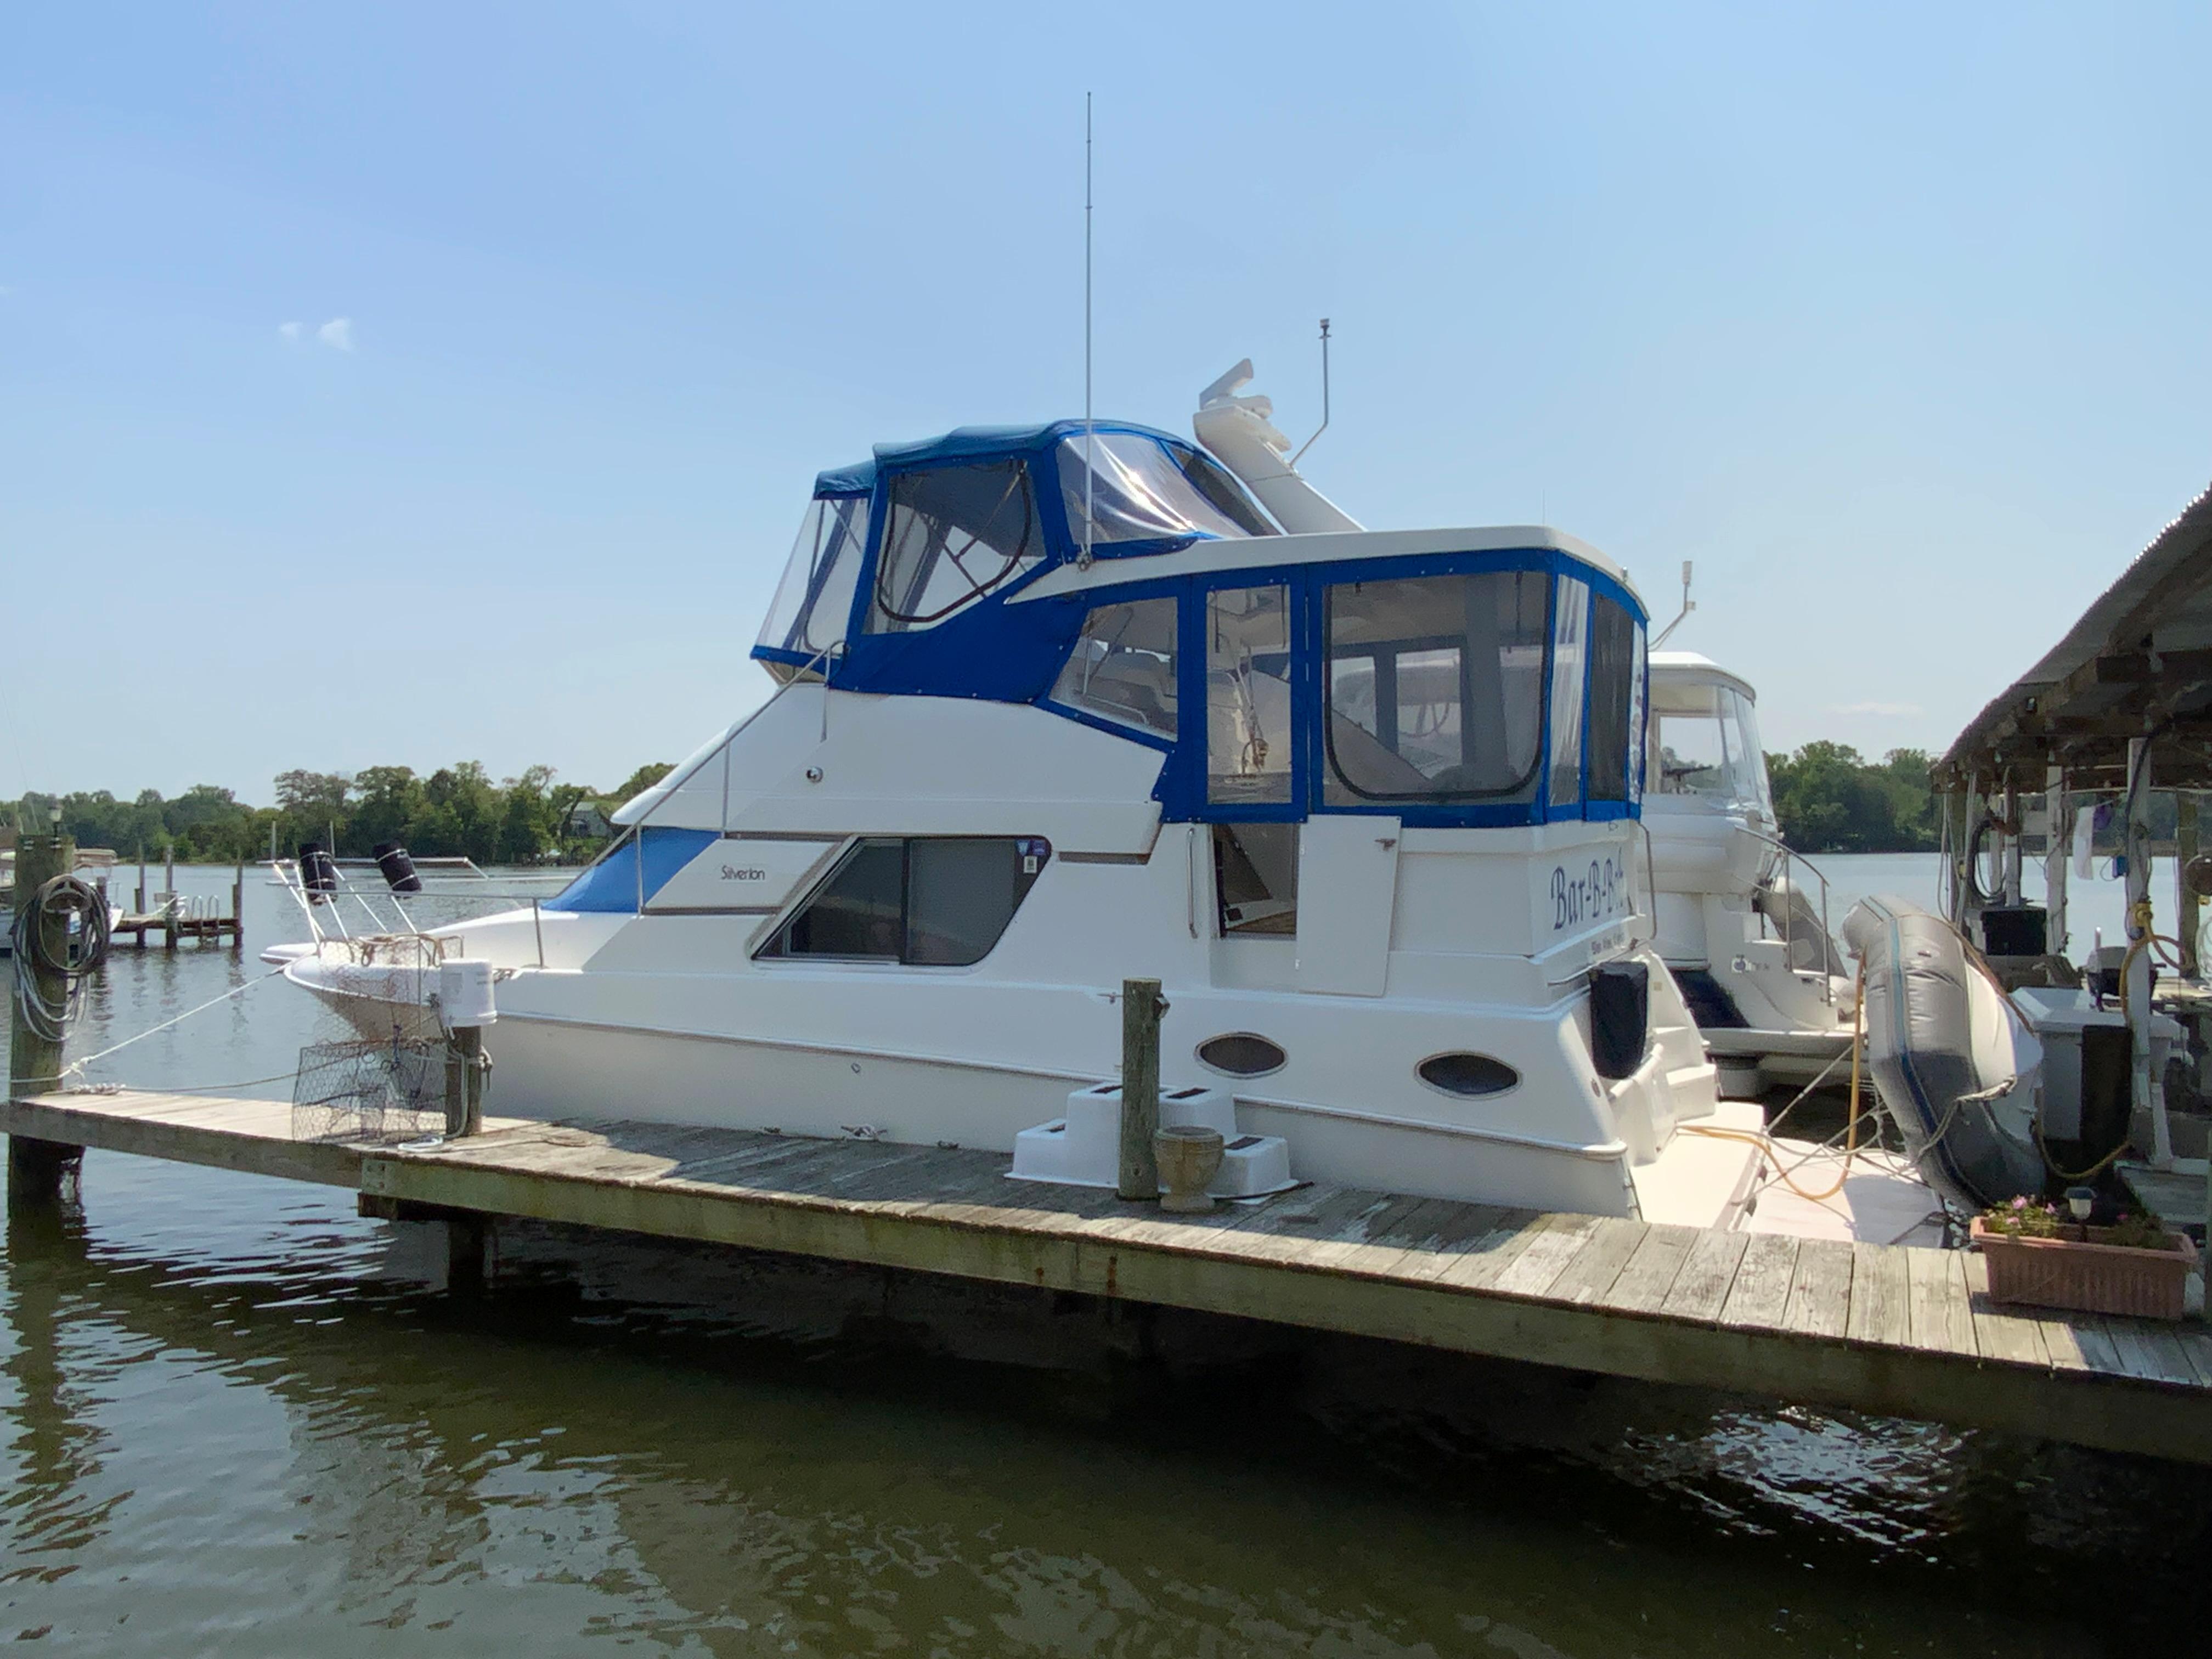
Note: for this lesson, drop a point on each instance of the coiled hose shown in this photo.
(64, 931)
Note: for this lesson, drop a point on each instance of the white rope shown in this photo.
(78, 1065)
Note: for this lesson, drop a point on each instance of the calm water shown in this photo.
(238, 1419)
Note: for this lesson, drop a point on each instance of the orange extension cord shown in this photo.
(1765, 1142)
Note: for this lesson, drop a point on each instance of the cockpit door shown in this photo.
(1347, 889)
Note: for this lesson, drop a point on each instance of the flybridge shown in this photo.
(978, 514)
(1127, 579)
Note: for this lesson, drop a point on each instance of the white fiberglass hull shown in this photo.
(1415, 948)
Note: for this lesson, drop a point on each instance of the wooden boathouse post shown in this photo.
(1141, 1006)
(2188, 906)
(35, 1167)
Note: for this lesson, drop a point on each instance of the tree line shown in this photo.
(457, 811)
(1828, 797)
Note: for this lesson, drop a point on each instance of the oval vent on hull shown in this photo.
(1242, 1054)
(1467, 1075)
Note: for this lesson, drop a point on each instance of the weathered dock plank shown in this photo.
(1760, 1295)
(1874, 1329)
(1821, 1289)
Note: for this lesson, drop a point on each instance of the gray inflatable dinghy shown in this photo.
(1956, 1066)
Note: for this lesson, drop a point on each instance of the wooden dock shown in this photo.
(176, 917)
(1882, 1329)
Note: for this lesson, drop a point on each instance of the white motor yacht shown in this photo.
(1742, 920)
(1064, 704)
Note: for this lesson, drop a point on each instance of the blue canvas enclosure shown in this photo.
(1448, 688)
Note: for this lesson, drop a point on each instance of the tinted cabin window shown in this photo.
(955, 534)
(1255, 879)
(935, 902)
(1436, 687)
(1123, 668)
(1616, 686)
(858, 913)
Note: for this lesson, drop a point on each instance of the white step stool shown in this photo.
(1084, 1149)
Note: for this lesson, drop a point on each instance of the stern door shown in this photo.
(1347, 887)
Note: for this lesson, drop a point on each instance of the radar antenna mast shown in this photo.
(1688, 605)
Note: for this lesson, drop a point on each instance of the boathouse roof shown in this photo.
(2137, 664)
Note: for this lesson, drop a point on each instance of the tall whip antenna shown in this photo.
(1323, 427)
(1089, 434)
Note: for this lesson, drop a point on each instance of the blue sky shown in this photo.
(1894, 320)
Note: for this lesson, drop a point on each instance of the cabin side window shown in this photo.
(1124, 667)
(1436, 688)
(1247, 696)
(955, 534)
(926, 901)
(1255, 879)
(1616, 693)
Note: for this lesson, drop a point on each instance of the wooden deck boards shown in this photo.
(1878, 1329)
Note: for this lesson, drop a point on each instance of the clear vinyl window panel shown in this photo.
(1124, 667)
(814, 600)
(1247, 696)
(954, 534)
(1569, 628)
(1704, 741)
(1436, 688)
(1137, 489)
(926, 901)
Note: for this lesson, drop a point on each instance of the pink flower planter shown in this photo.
(2087, 1274)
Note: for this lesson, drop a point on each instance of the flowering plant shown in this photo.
(2025, 1218)
(2028, 1217)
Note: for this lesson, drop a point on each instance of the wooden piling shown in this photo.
(467, 1072)
(238, 902)
(36, 1168)
(1141, 1008)
(169, 908)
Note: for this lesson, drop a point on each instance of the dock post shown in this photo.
(2147, 1089)
(464, 1255)
(2057, 849)
(1141, 1008)
(169, 909)
(36, 1169)
(238, 902)
(467, 1071)
(139, 906)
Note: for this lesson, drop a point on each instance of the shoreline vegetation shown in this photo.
(457, 812)
(1828, 797)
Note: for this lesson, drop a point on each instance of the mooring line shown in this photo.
(78, 1065)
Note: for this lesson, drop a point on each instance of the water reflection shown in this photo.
(240, 1419)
